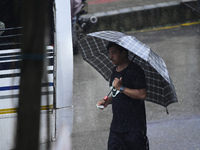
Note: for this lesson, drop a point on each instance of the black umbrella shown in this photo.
(160, 88)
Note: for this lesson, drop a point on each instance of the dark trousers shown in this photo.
(136, 140)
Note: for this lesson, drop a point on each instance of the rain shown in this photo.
(172, 30)
(64, 114)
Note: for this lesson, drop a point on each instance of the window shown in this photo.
(11, 26)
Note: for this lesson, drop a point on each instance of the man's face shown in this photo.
(115, 56)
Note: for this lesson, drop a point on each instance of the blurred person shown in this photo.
(76, 6)
(2, 27)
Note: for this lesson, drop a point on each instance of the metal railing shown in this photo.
(193, 4)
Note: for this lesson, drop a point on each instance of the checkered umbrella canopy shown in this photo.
(160, 88)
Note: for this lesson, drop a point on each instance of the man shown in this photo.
(128, 127)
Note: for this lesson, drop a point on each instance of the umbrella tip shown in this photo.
(167, 110)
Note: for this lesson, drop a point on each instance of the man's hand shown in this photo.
(117, 83)
(133, 93)
(105, 103)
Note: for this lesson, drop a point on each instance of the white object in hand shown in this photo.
(100, 107)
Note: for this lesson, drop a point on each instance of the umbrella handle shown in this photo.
(105, 98)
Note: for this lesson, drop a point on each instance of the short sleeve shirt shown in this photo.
(128, 113)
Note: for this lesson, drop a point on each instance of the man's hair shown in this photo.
(120, 48)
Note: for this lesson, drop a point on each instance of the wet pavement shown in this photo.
(97, 6)
(178, 130)
(130, 15)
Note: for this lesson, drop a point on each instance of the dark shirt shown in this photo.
(128, 113)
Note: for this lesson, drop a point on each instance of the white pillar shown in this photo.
(63, 64)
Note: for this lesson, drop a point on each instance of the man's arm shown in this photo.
(133, 93)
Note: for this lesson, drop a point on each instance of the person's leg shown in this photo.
(135, 141)
(114, 142)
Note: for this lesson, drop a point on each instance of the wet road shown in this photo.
(180, 129)
(97, 6)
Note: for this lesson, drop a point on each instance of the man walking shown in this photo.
(128, 127)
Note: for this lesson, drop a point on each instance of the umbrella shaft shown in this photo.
(109, 92)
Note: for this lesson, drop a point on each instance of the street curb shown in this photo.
(137, 18)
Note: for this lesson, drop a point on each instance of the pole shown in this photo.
(33, 55)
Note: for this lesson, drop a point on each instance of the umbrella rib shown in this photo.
(99, 60)
(100, 53)
(83, 52)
